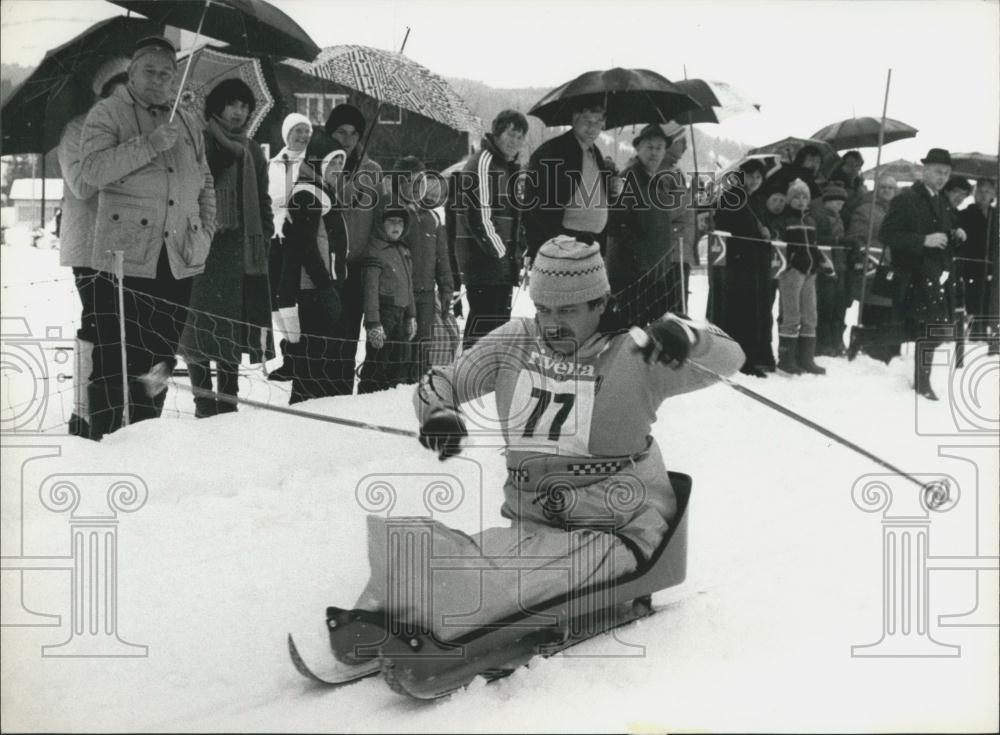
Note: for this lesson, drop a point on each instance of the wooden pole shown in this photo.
(694, 183)
(42, 223)
(119, 257)
(871, 214)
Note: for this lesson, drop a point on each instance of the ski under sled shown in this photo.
(415, 663)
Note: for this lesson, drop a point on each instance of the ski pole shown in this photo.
(288, 410)
(936, 493)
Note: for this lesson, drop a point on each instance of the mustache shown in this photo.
(556, 332)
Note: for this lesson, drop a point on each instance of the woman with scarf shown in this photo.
(230, 311)
(313, 271)
(282, 173)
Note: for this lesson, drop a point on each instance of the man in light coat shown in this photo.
(155, 206)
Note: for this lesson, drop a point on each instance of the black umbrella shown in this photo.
(711, 94)
(249, 26)
(974, 165)
(33, 118)
(629, 96)
(862, 132)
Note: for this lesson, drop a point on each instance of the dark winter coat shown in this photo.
(918, 296)
(554, 176)
(387, 278)
(798, 230)
(488, 224)
(428, 241)
(746, 315)
(830, 232)
(360, 199)
(682, 221)
(315, 244)
(856, 192)
(639, 231)
(982, 244)
(229, 308)
(735, 213)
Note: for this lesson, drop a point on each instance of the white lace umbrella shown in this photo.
(210, 66)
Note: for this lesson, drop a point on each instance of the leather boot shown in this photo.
(105, 399)
(287, 369)
(806, 355)
(787, 361)
(922, 370)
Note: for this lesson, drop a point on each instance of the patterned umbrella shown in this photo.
(393, 79)
(862, 132)
(974, 165)
(209, 67)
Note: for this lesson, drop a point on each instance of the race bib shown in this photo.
(552, 412)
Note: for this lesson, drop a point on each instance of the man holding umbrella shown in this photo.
(569, 183)
(156, 206)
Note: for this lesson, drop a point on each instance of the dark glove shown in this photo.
(442, 432)
(669, 341)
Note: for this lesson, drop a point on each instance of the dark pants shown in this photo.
(489, 308)
(831, 308)
(750, 298)
(275, 257)
(352, 311)
(227, 384)
(85, 283)
(318, 369)
(420, 348)
(155, 313)
(387, 367)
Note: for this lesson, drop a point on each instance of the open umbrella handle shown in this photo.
(190, 58)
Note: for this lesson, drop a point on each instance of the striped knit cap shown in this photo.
(566, 271)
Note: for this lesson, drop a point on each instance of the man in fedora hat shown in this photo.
(916, 232)
(639, 233)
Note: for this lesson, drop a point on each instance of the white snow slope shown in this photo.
(254, 523)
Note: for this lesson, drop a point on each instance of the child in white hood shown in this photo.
(282, 173)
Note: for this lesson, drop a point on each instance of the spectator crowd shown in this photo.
(213, 251)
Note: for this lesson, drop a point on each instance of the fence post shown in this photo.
(120, 276)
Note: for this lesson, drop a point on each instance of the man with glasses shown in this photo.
(568, 184)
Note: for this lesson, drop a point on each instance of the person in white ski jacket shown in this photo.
(587, 490)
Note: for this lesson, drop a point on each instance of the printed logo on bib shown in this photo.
(551, 410)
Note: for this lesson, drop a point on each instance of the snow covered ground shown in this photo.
(254, 523)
